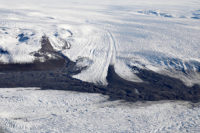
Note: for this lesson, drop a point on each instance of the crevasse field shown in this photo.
(157, 35)
(33, 110)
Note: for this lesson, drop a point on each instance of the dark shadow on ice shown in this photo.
(56, 74)
(156, 86)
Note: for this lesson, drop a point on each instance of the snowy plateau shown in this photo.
(135, 37)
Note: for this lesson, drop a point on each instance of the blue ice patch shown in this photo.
(2, 51)
(23, 38)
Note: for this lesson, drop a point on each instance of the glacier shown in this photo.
(161, 36)
(155, 35)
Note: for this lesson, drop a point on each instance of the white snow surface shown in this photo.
(160, 35)
(33, 110)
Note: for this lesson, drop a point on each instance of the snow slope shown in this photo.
(159, 35)
(33, 110)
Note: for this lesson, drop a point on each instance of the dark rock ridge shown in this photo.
(55, 73)
(155, 87)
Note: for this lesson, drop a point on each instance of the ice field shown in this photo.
(162, 36)
(158, 35)
(33, 110)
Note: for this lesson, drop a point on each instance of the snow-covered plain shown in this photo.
(33, 110)
(159, 35)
